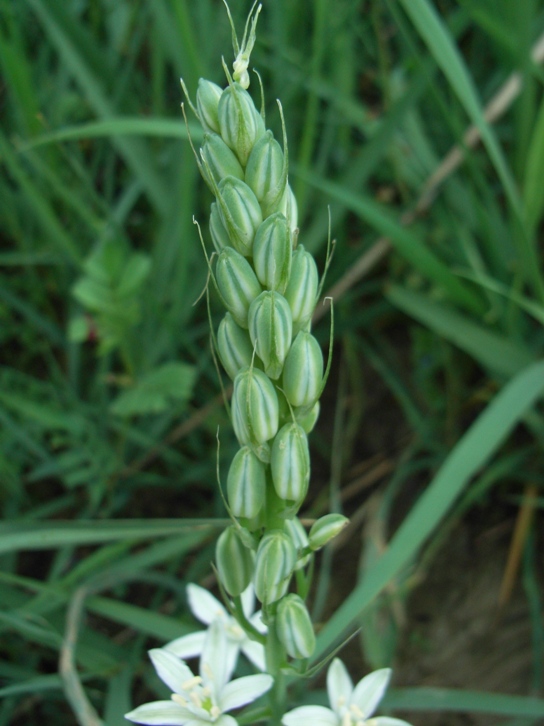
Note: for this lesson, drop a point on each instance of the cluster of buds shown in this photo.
(269, 285)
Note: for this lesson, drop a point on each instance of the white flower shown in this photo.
(201, 699)
(209, 610)
(349, 706)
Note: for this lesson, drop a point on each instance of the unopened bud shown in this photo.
(298, 534)
(234, 562)
(240, 212)
(290, 463)
(219, 160)
(301, 291)
(270, 330)
(254, 407)
(303, 370)
(266, 173)
(240, 123)
(308, 419)
(237, 284)
(220, 236)
(294, 627)
(289, 207)
(246, 484)
(207, 102)
(325, 529)
(233, 345)
(274, 565)
(272, 253)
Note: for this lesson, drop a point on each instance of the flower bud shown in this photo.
(290, 463)
(240, 123)
(274, 565)
(254, 407)
(233, 345)
(300, 539)
(270, 330)
(294, 627)
(301, 291)
(325, 529)
(207, 102)
(234, 562)
(246, 484)
(288, 206)
(272, 253)
(308, 419)
(220, 236)
(219, 160)
(266, 173)
(303, 370)
(240, 213)
(237, 284)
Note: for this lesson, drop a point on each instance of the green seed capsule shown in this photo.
(240, 213)
(288, 206)
(207, 102)
(308, 419)
(254, 408)
(234, 562)
(234, 346)
(220, 236)
(272, 253)
(237, 284)
(303, 370)
(240, 123)
(300, 539)
(325, 529)
(219, 159)
(301, 291)
(274, 565)
(294, 627)
(265, 173)
(270, 330)
(290, 463)
(246, 484)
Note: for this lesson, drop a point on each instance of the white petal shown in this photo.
(226, 720)
(339, 685)
(244, 690)
(159, 713)
(257, 621)
(170, 669)
(369, 691)
(248, 600)
(386, 721)
(311, 716)
(204, 605)
(232, 650)
(214, 661)
(188, 646)
(255, 653)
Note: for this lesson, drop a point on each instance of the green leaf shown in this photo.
(155, 392)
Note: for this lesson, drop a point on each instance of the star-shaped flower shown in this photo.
(349, 706)
(208, 610)
(201, 699)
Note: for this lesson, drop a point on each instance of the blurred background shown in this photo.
(416, 133)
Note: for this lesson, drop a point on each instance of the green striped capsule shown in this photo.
(218, 233)
(246, 484)
(301, 291)
(299, 537)
(240, 123)
(290, 463)
(207, 103)
(266, 173)
(240, 213)
(272, 253)
(325, 529)
(270, 330)
(219, 160)
(288, 206)
(294, 627)
(237, 284)
(274, 564)
(234, 562)
(303, 370)
(234, 346)
(254, 407)
(308, 419)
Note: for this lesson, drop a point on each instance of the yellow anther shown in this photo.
(191, 683)
(178, 699)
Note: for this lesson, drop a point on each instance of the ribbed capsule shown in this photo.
(266, 173)
(246, 484)
(272, 253)
(240, 213)
(288, 206)
(234, 346)
(207, 103)
(237, 284)
(299, 537)
(234, 562)
(294, 627)
(290, 463)
(325, 529)
(301, 290)
(303, 370)
(220, 236)
(308, 419)
(254, 407)
(219, 160)
(274, 565)
(270, 330)
(240, 123)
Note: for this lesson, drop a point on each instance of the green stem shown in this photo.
(275, 659)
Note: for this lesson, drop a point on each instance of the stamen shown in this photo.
(178, 699)
(191, 683)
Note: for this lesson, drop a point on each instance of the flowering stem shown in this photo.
(275, 659)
